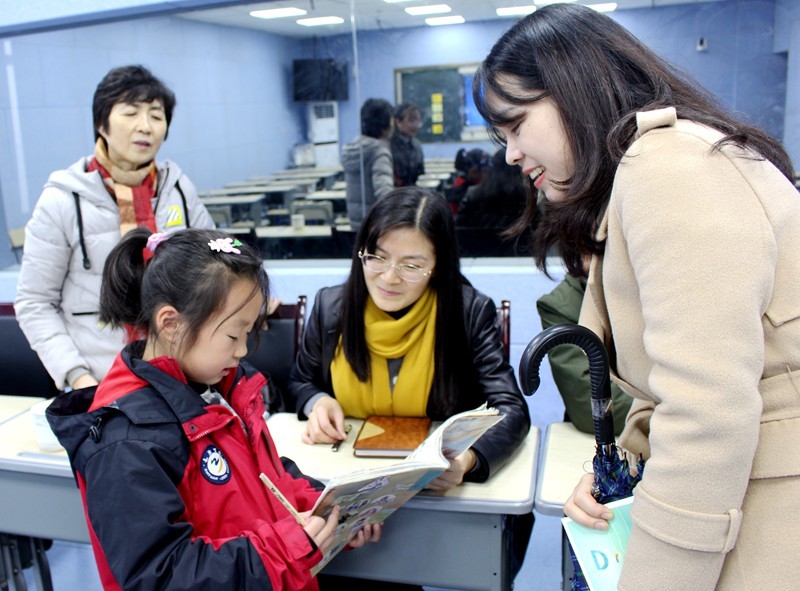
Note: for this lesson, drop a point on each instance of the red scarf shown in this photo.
(132, 190)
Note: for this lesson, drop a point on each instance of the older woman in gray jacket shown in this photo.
(81, 215)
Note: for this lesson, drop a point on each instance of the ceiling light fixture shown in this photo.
(430, 9)
(320, 20)
(515, 10)
(606, 7)
(435, 21)
(278, 13)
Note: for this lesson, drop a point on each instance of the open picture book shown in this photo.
(370, 496)
(601, 553)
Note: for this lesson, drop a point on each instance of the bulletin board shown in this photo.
(441, 96)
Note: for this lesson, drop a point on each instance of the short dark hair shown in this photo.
(184, 272)
(128, 84)
(426, 211)
(404, 109)
(376, 117)
(599, 76)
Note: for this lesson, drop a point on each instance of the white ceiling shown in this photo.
(372, 14)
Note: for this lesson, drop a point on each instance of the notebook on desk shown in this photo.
(390, 437)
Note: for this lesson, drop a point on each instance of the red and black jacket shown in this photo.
(171, 487)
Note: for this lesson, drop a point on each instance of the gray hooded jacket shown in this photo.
(58, 297)
(378, 174)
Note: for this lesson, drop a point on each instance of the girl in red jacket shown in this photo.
(167, 451)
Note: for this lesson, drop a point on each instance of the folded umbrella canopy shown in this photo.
(613, 479)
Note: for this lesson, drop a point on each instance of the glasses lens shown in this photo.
(409, 273)
(374, 263)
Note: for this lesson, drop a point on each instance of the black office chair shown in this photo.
(276, 350)
(504, 321)
(21, 371)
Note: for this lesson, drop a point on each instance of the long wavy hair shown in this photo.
(599, 76)
(428, 212)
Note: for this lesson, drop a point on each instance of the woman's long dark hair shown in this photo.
(598, 75)
(428, 212)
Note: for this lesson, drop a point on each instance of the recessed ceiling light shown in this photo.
(278, 12)
(606, 7)
(444, 20)
(515, 10)
(320, 20)
(430, 9)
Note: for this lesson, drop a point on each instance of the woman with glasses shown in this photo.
(407, 335)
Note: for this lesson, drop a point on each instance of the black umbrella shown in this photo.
(612, 476)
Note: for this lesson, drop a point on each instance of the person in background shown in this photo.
(692, 224)
(409, 161)
(497, 201)
(471, 168)
(407, 335)
(569, 365)
(169, 448)
(81, 215)
(371, 154)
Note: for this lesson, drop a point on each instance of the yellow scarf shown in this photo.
(411, 338)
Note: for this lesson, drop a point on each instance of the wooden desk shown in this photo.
(292, 232)
(566, 456)
(455, 540)
(255, 196)
(37, 490)
(11, 406)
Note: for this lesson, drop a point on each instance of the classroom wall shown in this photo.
(234, 116)
(787, 40)
(740, 65)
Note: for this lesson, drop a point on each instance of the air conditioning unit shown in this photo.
(323, 122)
(323, 132)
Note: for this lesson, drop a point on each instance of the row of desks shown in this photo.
(457, 540)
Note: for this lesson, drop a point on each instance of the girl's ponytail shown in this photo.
(120, 295)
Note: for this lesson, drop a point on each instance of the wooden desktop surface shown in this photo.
(509, 491)
(566, 456)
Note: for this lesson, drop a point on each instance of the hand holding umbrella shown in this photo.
(612, 475)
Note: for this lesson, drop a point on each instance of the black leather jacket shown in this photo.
(493, 376)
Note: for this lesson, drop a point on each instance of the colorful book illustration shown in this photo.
(370, 496)
(391, 437)
(601, 553)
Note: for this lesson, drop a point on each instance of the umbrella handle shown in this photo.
(595, 351)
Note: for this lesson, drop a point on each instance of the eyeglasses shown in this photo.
(405, 271)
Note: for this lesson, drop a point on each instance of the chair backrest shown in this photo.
(21, 370)
(313, 210)
(17, 238)
(277, 346)
(504, 321)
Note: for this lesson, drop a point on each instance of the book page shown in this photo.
(456, 435)
(601, 553)
(369, 499)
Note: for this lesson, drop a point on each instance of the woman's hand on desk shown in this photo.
(454, 475)
(325, 422)
(84, 381)
(582, 507)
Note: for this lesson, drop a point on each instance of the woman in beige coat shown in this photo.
(693, 228)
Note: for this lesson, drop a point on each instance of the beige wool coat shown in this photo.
(697, 298)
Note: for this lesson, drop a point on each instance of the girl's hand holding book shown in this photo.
(319, 529)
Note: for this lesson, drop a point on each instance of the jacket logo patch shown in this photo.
(174, 217)
(214, 466)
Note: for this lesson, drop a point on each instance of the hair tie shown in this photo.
(154, 240)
